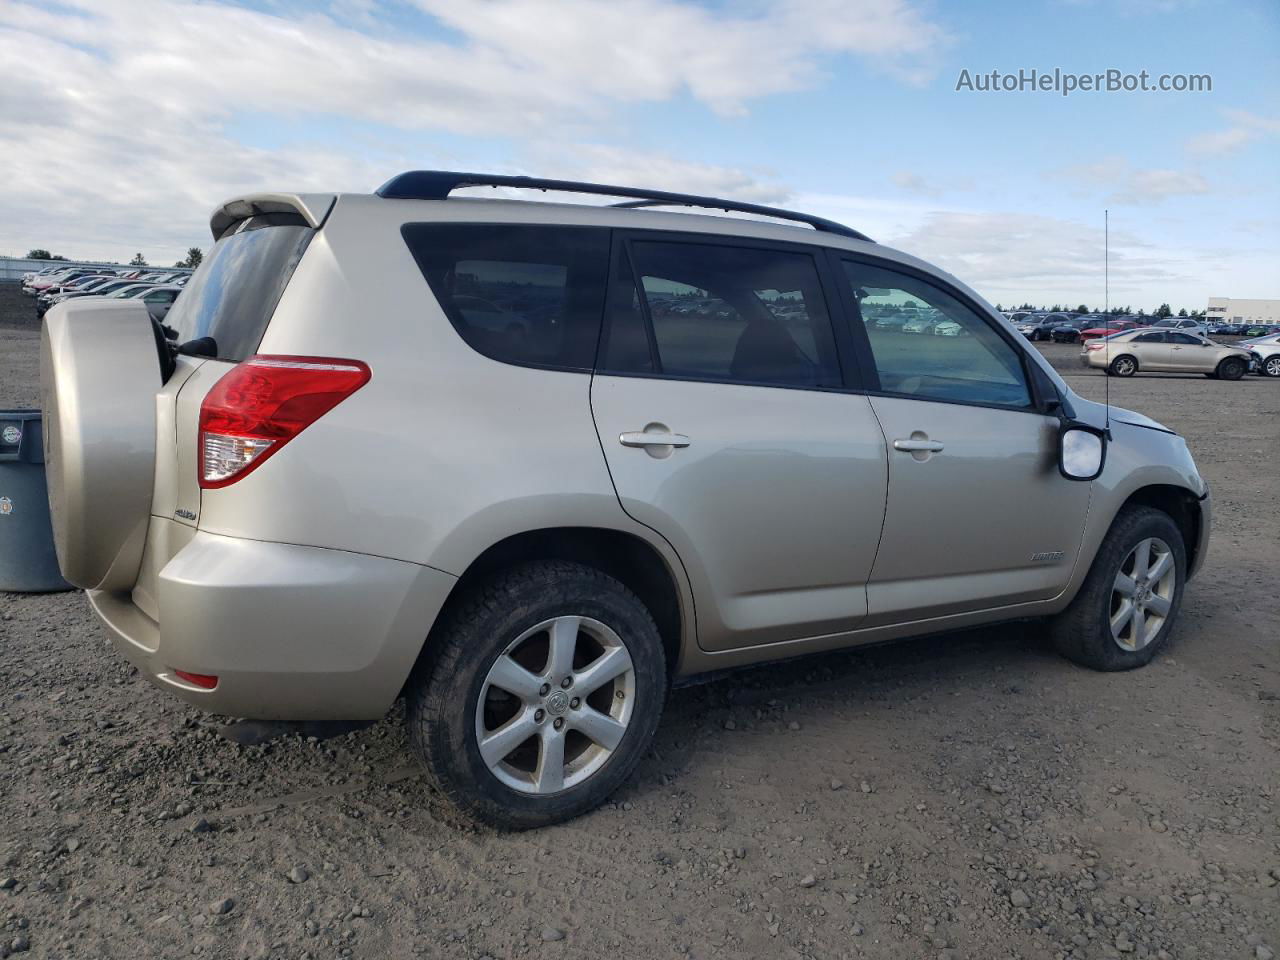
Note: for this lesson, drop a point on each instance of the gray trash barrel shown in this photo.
(27, 559)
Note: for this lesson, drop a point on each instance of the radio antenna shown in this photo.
(1106, 308)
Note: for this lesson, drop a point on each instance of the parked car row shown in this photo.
(36, 282)
(158, 289)
(1244, 329)
(909, 319)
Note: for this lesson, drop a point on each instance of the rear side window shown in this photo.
(531, 295)
(742, 314)
(233, 294)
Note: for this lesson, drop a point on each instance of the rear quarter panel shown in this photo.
(444, 452)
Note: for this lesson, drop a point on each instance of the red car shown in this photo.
(1110, 327)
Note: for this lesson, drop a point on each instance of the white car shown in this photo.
(1265, 357)
(1183, 324)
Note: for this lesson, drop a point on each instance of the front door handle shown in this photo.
(916, 446)
(653, 440)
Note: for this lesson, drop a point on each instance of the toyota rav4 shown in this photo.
(559, 456)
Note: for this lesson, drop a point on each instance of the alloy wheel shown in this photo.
(555, 705)
(1271, 366)
(1142, 594)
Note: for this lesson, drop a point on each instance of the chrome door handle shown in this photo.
(653, 440)
(914, 446)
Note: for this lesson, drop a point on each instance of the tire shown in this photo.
(447, 719)
(1083, 632)
(1232, 368)
(1270, 366)
(1123, 366)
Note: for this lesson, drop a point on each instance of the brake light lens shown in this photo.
(1095, 346)
(262, 404)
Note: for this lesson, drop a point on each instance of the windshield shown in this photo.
(231, 296)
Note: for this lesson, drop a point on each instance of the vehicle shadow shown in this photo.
(864, 673)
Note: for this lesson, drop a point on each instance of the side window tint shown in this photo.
(531, 295)
(626, 347)
(1150, 338)
(1183, 338)
(727, 313)
(927, 344)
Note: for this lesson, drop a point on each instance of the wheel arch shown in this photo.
(628, 558)
(1180, 504)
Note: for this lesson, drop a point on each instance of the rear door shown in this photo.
(1152, 350)
(728, 428)
(978, 515)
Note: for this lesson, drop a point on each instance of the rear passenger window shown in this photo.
(710, 312)
(530, 295)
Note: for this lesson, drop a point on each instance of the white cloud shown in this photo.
(117, 117)
(1014, 256)
(911, 182)
(1135, 187)
(1244, 128)
(601, 163)
(1017, 256)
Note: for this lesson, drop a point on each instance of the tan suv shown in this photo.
(1164, 351)
(527, 464)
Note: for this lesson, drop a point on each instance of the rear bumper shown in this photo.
(291, 632)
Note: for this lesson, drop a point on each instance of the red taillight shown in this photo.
(202, 680)
(1095, 346)
(262, 404)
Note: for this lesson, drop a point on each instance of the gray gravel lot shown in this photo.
(963, 796)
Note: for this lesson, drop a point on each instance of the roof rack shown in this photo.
(438, 184)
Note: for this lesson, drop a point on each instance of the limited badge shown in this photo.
(6, 506)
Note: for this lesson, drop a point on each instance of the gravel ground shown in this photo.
(963, 796)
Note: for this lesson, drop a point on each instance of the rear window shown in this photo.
(531, 295)
(232, 295)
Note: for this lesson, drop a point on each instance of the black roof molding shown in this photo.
(438, 184)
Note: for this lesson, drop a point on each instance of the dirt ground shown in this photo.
(964, 796)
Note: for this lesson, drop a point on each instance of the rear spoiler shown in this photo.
(312, 207)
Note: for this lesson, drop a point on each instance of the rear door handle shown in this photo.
(914, 446)
(653, 440)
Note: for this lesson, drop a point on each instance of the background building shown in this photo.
(1227, 310)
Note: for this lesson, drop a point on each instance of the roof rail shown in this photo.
(438, 184)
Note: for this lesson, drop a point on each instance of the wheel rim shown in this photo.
(1272, 366)
(555, 705)
(1142, 595)
(1124, 366)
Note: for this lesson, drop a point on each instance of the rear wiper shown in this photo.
(200, 347)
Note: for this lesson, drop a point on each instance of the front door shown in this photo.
(978, 515)
(1186, 353)
(721, 412)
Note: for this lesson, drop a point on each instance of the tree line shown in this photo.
(1160, 312)
(193, 259)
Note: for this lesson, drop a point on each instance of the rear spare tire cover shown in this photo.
(99, 373)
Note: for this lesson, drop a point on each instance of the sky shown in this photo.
(123, 123)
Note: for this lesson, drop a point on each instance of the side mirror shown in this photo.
(1082, 451)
